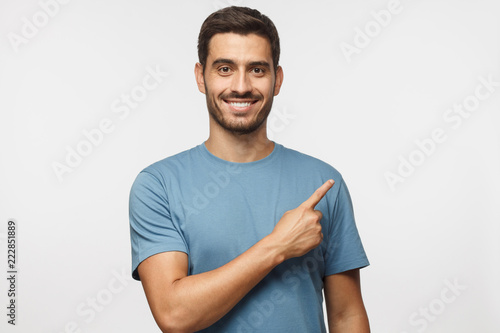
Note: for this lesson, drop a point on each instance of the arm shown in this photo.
(344, 304)
(182, 303)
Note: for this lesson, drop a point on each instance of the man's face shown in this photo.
(239, 81)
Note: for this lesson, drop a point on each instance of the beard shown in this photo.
(239, 127)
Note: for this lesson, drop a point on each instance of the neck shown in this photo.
(239, 148)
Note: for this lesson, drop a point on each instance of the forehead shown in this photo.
(250, 47)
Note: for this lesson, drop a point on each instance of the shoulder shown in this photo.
(161, 173)
(308, 163)
(172, 165)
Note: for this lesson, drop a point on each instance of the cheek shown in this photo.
(217, 87)
(265, 88)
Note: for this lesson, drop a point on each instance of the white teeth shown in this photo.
(240, 105)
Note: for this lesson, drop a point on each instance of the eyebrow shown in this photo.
(222, 61)
(231, 62)
(260, 63)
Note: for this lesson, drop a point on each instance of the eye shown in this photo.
(258, 71)
(224, 70)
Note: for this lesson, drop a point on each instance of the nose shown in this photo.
(241, 82)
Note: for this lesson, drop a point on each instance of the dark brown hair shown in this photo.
(239, 20)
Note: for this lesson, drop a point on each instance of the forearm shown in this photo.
(197, 301)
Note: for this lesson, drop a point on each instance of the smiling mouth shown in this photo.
(240, 105)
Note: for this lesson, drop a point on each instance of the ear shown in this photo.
(198, 73)
(278, 81)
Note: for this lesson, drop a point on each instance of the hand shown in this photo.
(299, 231)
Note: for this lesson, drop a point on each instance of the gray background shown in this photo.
(362, 113)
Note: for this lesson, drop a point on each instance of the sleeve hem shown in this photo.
(343, 267)
(152, 252)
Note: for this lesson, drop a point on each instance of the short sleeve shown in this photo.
(345, 250)
(152, 230)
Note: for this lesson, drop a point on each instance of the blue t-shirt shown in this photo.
(214, 210)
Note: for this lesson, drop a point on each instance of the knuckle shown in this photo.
(317, 216)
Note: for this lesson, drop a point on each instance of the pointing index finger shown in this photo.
(318, 194)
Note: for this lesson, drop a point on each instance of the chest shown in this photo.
(221, 215)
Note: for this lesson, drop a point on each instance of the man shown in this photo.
(241, 234)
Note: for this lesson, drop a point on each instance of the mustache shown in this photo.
(247, 95)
